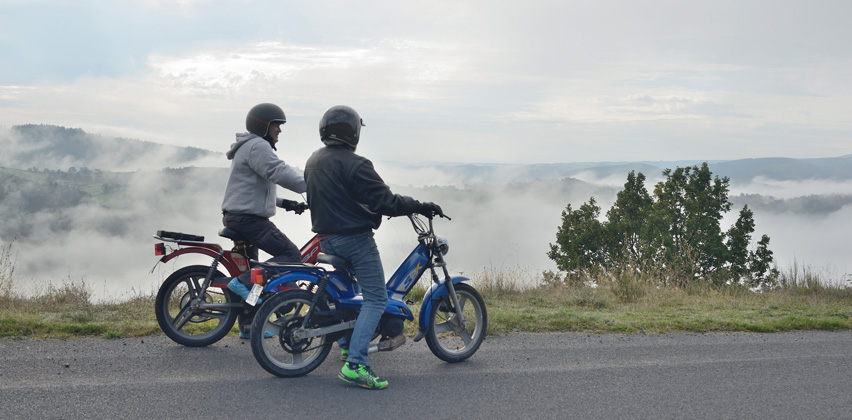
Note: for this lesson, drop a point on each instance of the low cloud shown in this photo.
(497, 226)
(792, 189)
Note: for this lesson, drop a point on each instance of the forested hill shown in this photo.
(50, 147)
(59, 148)
(40, 203)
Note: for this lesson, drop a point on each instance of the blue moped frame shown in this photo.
(343, 290)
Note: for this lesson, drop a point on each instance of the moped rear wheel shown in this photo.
(450, 338)
(282, 355)
(194, 327)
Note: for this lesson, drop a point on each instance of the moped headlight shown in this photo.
(443, 244)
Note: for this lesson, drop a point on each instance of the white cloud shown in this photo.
(473, 78)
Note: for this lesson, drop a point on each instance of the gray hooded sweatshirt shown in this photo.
(255, 170)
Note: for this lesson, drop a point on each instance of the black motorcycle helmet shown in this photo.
(341, 123)
(259, 118)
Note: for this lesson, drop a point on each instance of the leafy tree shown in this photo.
(685, 222)
(580, 240)
(759, 262)
(674, 234)
(628, 220)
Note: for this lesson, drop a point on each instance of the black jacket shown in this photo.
(346, 195)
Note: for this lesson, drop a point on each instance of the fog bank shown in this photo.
(497, 226)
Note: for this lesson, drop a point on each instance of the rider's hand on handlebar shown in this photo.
(300, 208)
(293, 206)
(430, 209)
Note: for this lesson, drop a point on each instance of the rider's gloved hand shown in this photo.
(291, 205)
(300, 208)
(430, 209)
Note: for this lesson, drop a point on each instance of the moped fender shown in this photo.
(232, 269)
(279, 281)
(434, 294)
(399, 308)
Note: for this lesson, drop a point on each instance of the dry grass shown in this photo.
(517, 300)
(631, 304)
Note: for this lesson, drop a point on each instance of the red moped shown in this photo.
(194, 306)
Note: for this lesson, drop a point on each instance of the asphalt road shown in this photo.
(799, 375)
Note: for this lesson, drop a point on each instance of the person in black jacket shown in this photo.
(347, 199)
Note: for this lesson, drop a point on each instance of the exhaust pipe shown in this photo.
(389, 344)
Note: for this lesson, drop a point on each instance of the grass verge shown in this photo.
(625, 305)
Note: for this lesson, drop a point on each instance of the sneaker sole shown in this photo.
(354, 382)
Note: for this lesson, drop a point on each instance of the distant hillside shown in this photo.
(59, 148)
(741, 171)
(54, 148)
(38, 203)
(818, 205)
(786, 169)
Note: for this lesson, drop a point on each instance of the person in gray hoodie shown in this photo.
(250, 195)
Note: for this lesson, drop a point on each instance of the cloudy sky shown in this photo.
(532, 81)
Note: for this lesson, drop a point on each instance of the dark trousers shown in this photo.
(263, 234)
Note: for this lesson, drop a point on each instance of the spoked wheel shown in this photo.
(283, 355)
(178, 314)
(452, 338)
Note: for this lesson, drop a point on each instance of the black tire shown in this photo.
(451, 341)
(280, 355)
(179, 322)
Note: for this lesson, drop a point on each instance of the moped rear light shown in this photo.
(160, 249)
(257, 276)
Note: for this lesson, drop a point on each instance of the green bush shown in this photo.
(674, 234)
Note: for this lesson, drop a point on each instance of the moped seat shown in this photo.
(280, 266)
(334, 261)
(230, 234)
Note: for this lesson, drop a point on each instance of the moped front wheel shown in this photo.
(284, 355)
(453, 338)
(179, 316)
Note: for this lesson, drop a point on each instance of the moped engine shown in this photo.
(391, 326)
(391, 330)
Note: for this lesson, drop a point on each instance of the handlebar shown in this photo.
(294, 206)
(420, 226)
(432, 216)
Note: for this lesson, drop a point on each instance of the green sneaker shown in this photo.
(362, 376)
(344, 354)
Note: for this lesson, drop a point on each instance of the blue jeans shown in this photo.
(360, 249)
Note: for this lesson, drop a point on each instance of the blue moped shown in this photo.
(305, 322)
